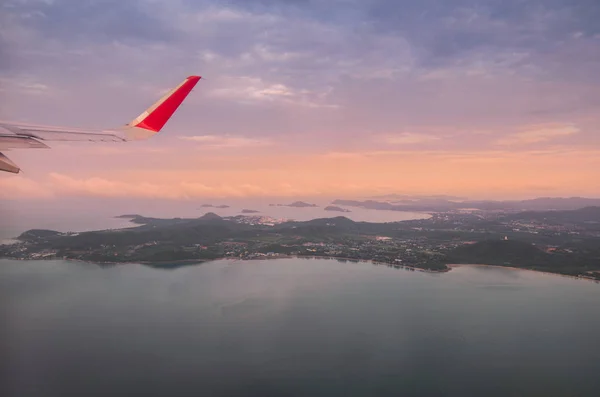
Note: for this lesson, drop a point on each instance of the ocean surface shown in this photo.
(86, 214)
(294, 327)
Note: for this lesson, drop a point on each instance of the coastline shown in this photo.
(457, 265)
(371, 261)
(449, 267)
(235, 259)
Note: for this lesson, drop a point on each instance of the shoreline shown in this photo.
(449, 267)
(457, 265)
(199, 261)
(373, 262)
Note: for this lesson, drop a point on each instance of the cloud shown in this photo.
(409, 138)
(344, 155)
(24, 84)
(103, 187)
(473, 156)
(565, 171)
(119, 150)
(536, 134)
(220, 14)
(255, 90)
(17, 186)
(96, 20)
(252, 88)
(214, 141)
(302, 71)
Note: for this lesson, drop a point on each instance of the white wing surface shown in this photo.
(147, 124)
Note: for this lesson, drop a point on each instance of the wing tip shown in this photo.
(155, 117)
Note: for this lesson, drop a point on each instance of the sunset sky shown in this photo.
(336, 98)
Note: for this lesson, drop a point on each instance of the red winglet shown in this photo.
(155, 117)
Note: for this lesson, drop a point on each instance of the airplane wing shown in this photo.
(147, 124)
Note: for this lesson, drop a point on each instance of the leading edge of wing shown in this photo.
(42, 133)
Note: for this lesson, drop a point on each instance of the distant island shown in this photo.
(337, 209)
(214, 206)
(245, 211)
(562, 242)
(297, 204)
(413, 197)
(439, 203)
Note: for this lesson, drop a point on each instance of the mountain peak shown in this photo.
(210, 216)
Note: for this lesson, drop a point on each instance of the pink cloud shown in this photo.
(215, 141)
(539, 133)
(409, 138)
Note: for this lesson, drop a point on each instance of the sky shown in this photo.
(338, 98)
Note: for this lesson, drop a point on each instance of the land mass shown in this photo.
(336, 209)
(222, 206)
(296, 204)
(245, 211)
(401, 197)
(563, 242)
(439, 203)
(126, 216)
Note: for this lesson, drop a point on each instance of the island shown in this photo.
(442, 203)
(245, 211)
(296, 204)
(222, 206)
(560, 242)
(336, 209)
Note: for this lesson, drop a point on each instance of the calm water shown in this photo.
(81, 215)
(294, 328)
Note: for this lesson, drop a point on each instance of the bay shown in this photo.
(86, 214)
(294, 327)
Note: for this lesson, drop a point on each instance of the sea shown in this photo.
(294, 327)
(78, 215)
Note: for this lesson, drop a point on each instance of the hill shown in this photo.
(38, 234)
(439, 204)
(301, 204)
(582, 215)
(499, 252)
(430, 243)
(579, 262)
(335, 209)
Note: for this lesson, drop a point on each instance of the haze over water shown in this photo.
(295, 328)
(88, 214)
